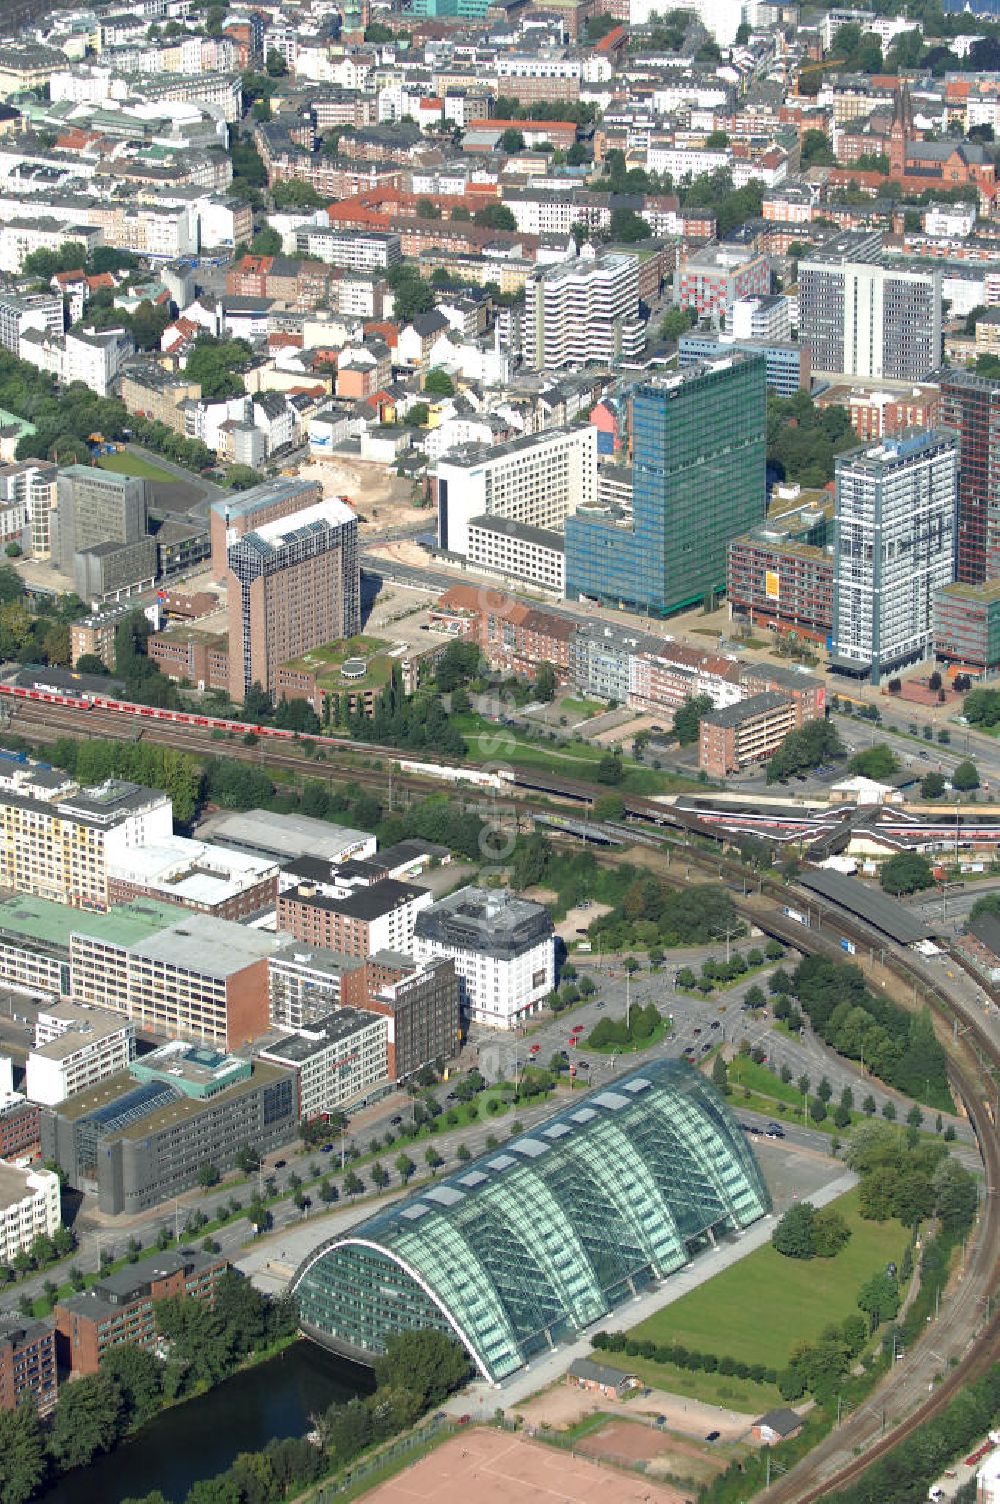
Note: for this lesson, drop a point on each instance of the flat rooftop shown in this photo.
(284, 836)
(332, 512)
(212, 947)
(178, 1111)
(49, 923)
(331, 1030)
(194, 872)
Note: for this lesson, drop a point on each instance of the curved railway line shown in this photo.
(900, 1406)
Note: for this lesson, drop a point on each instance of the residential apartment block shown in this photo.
(894, 548)
(28, 1364)
(352, 913)
(967, 625)
(199, 978)
(74, 1049)
(60, 850)
(421, 1000)
(534, 481)
(862, 318)
(29, 1205)
(121, 1307)
(338, 1061)
(581, 311)
(739, 735)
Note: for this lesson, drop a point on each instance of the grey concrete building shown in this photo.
(96, 507)
(136, 1142)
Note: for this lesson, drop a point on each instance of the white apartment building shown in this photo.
(513, 551)
(503, 948)
(534, 481)
(95, 357)
(551, 210)
(864, 319)
(61, 850)
(759, 318)
(19, 237)
(583, 310)
(359, 252)
(685, 162)
(894, 546)
(337, 1060)
(74, 1049)
(29, 1205)
(531, 65)
(18, 312)
(950, 221)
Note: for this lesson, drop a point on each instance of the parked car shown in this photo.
(713, 1435)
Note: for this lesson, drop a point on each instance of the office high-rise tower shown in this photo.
(698, 482)
(298, 586)
(894, 546)
(970, 409)
(95, 507)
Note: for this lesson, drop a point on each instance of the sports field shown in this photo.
(496, 1467)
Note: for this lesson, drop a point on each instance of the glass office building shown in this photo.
(698, 464)
(533, 1241)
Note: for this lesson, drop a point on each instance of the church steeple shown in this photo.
(901, 131)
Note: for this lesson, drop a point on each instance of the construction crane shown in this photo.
(827, 62)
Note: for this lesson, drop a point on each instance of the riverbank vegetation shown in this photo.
(419, 1371)
(205, 1344)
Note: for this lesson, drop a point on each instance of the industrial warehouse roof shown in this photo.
(287, 835)
(870, 904)
(532, 1242)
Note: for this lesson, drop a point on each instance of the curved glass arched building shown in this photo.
(533, 1241)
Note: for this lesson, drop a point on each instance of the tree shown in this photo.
(214, 363)
(138, 1375)
(879, 1299)
(405, 1167)
(418, 415)
(801, 751)
(432, 1159)
(627, 226)
(545, 682)
(275, 63)
(932, 786)
(296, 194)
(720, 1075)
(208, 1175)
(438, 383)
(609, 769)
(429, 1364)
(688, 717)
(816, 149)
(85, 1422)
(906, 872)
(353, 1184)
(512, 140)
(879, 762)
(793, 1236)
(495, 217)
(22, 1454)
(965, 776)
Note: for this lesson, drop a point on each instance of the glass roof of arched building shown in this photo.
(533, 1241)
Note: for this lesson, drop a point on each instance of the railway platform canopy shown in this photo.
(530, 1243)
(871, 905)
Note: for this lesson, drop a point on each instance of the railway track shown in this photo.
(893, 1412)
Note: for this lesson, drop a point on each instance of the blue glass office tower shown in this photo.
(698, 465)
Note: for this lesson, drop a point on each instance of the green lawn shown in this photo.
(490, 743)
(127, 463)
(744, 1072)
(713, 1388)
(582, 709)
(757, 1310)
